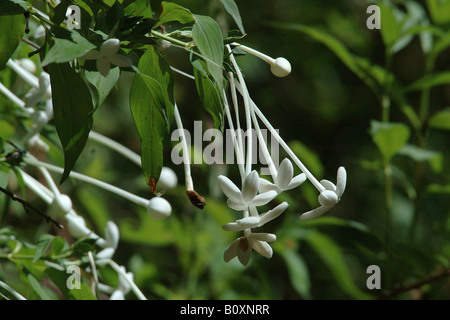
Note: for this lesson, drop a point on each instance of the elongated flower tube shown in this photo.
(280, 67)
(329, 197)
(242, 247)
(241, 200)
(107, 55)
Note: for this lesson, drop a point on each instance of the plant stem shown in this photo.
(170, 39)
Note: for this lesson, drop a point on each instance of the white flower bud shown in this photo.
(163, 45)
(77, 226)
(281, 67)
(328, 198)
(62, 204)
(159, 208)
(168, 179)
(27, 64)
(111, 235)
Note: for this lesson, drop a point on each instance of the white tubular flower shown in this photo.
(27, 64)
(242, 247)
(159, 208)
(108, 55)
(42, 92)
(62, 204)
(168, 179)
(77, 226)
(254, 222)
(117, 295)
(111, 236)
(238, 200)
(329, 197)
(284, 180)
(104, 256)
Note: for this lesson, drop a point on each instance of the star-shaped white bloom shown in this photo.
(254, 222)
(242, 247)
(108, 55)
(249, 196)
(284, 180)
(329, 197)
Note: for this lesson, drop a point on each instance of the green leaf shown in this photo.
(430, 81)
(174, 12)
(233, 11)
(68, 45)
(72, 108)
(390, 28)
(209, 94)
(83, 293)
(439, 11)
(333, 257)
(389, 137)
(103, 85)
(10, 40)
(42, 246)
(418, 154)
(42, 293)
(441, 120)
(152, 107)
(298, 273)
(138, 8)
(10, 7)
(208, 38)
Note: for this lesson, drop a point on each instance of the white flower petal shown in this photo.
(267, 237)
(237, 205)
(264, 198)
(341, 181)
(111, 235)
(105, 254)
(314, 213)
(296, 181)
(328, 198)
(263, 248)
(250, 186)
(103, 66)
(120, 60)
(265, 185)
(117, 295)
(77, 226)
(231, 251)
(285, 174)
(272, 214)
(244, 251)
(230, 189)
(110, 47)
(328, 185)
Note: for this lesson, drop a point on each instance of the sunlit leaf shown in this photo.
(389, 137)
(441, 120)
(10, 40)
(174, 12)
(233, 11)
(298, 272)
(429, 81)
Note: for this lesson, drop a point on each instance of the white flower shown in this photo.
(76, 226)
(242, 247)
(62, 204)
(159, 208)
(254, 222)
(117, 295)
(284, 180)
(280, 67)
(108, 55)
(238, 200)
(329, 197)
(168, 179)
(111, 236)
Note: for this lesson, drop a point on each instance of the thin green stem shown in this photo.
(170, 39)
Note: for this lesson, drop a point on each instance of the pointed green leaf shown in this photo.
(208, 38)
(10, 40)
(9, 7)
(174, 12)
(103, 85)
(429, 81)
(209, 94)
(151, 103)
(68, 45)
(72, 108)
(298, 273)
(41, 291)
(389, 137)
(439, 11)
(233, 11)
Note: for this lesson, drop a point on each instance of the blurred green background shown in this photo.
(324, 111)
